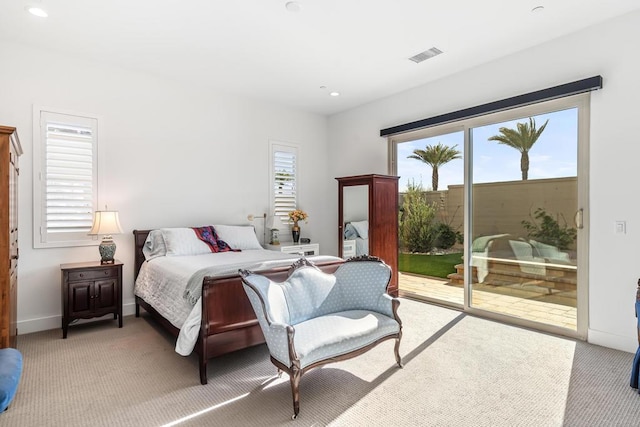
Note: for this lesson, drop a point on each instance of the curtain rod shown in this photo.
(567, 89)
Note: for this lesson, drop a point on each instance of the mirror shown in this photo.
(355, 217)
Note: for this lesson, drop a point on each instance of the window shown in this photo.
(284, 181)
(65, 178)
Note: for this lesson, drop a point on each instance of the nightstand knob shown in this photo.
(81, 274)
(106, 273)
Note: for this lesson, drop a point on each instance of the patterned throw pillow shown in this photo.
(208, 235)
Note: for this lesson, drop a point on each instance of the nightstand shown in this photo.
(348, 248)
(90, 289)
(306, 249)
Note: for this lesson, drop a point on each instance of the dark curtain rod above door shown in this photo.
(567, 89)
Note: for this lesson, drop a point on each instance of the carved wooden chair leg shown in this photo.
(396, 350)
(294, 378)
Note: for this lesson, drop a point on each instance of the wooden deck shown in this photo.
(521, 300)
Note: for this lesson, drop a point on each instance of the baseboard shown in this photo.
(618, 342)
(40, 324)
(55, 322)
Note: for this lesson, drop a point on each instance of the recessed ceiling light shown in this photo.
(293, 6)
(36, 11)
(537, 9)
(335, 94)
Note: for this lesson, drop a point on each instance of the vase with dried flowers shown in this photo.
(296, 216)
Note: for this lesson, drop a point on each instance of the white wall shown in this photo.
(175, 156)
(608, 49)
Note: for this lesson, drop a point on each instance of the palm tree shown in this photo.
(436, 156)
(522, 140)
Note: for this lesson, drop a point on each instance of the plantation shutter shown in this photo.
(284, 173)
(68, 176)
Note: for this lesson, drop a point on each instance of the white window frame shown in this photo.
(281, 221)
(42, 239)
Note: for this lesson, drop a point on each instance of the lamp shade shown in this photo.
(106, 222)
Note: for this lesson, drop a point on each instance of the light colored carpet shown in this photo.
(459, 370)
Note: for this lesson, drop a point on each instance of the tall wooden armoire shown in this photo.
(10, 149)
(372, 198)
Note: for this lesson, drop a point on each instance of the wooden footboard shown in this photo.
(228, 321)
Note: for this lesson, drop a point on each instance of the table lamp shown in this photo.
(273, 231)
(106, 223)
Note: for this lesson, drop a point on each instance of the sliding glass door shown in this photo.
(524, 203)
(431, 217)
(492, 214)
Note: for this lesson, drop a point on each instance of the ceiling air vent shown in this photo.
(422, 56)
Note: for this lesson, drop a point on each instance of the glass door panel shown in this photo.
(431, 218)
(524, 199)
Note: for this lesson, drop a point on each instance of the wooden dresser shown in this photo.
(10, 149)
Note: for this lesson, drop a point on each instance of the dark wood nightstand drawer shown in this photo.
(75, 276)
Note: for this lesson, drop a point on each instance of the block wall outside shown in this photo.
(500, 207)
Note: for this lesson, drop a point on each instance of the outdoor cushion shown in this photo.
(551, 253)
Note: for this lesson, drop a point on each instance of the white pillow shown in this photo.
(183, 241)
(362, 227)
(238, 236)
(154, 245)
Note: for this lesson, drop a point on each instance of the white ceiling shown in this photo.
(257, 48)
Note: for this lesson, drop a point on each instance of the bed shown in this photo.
(214, 316)
(358, 231)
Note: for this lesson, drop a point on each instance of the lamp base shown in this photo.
(107, 249)
(275, 239)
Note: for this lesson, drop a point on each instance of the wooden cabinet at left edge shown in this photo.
(10, 150)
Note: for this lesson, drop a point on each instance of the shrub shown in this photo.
(546, 229)
(446, 236)
(417, 225)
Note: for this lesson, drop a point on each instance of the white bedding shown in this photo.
(162, 281)
(362, 246)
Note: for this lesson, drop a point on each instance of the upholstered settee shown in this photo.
(313, 318)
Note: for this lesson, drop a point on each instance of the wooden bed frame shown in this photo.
(228, 320)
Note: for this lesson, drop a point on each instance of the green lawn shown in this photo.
(429, 265)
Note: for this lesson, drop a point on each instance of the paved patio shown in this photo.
(526, 302)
